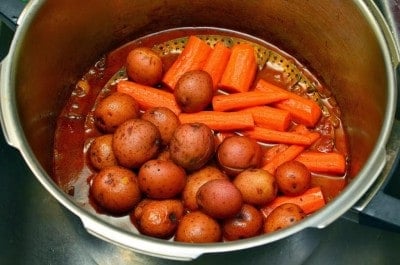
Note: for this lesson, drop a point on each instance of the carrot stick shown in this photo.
(310, 201)
(240, 70)
(304, 111)
(217, 120)
(334, 163)
(245, 100)
(287, 155)
(216, 62)
(149, 97)
(271, 152)
(274, 136)
(269, 117)
(193, 57)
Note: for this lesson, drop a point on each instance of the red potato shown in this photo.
(195, 181)
(144, 66)
(219, 198)
(194, 91)
(160, 179)
(165, 120)
(238, 153)
(258, 187)
(198, 227)
(114, 110)
(247, 223)
(101, 154)
(135, 142)
(158, 218)
(192, 145)
(115, 189)
(283, 216)
(293, 178)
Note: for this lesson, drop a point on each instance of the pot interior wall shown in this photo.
(332, 38)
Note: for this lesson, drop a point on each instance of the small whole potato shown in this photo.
(161, 179)
(257, 186)
(192, 145)
(144, 66)
(283, 216)
(219, 198)
(115, 189)
(195, 181)
(114, 110)
(135, 142)
(293, 178)
(101, 154)
(164, 119)
(198, 227)
(247, 223)
(158, 218)
(194, 91)
(238, 153)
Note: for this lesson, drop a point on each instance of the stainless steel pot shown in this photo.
(347, 43)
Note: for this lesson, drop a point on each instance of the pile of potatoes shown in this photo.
(176, 180)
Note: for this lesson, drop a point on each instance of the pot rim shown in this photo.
(175, 250)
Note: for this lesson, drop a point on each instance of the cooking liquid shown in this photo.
(75, 126)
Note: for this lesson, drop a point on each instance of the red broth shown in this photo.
(75, 126)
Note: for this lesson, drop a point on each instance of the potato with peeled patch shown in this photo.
(192, 145)
(283, 216)
(144, 66)
(194, 91)
(135, 142)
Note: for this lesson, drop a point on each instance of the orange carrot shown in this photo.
(245, 100)
(310, 201)
(216, 62)
(334, 163)
(304, 111)
(271, 152)
(149, 97)
(193, 57)
(240, 70)
(274, 136)
(269, 117)
(217, 120)
(287, 155)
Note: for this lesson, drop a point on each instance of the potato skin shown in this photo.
(101, 154)
(161, 179)
(165, 120)
(195, 181)
(194, 91)
(198, 227)
(114, 110)
(247, 223)
(283, 216)
(144, 66)
(115, 189)
(258, 187)
(192, 145)
(135, 142)
(238, 153)
(219, 198)
(293, 178)
(158, 218)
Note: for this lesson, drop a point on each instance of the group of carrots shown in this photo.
(255, 108)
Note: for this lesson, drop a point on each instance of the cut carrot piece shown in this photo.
(193, 57)
(216, 62)
(149, 97)
(269, 117)
(273, 136)
(220, 121)
(271, 152)
(287, 155)
(310, 201)
(333, 163)
(247, 99)
(240, 70)
(303, 110)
